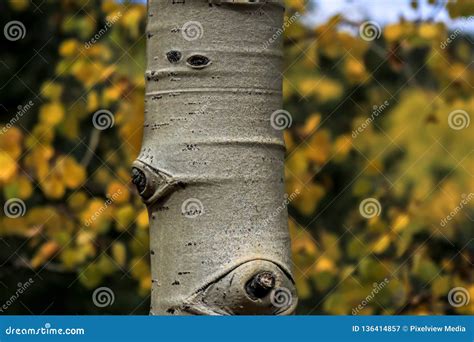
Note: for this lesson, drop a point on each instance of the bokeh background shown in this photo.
(380, 152)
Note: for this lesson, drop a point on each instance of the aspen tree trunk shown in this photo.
(211, 166)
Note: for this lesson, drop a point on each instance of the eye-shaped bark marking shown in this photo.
(247, 289)
(260, 284)
(139, 179)
(198, 61)
(152, 184)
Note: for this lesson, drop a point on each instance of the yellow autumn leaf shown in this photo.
(51, 90)
(319, 147)
(92, 101)
(124, 216)
(25, 189)
(69, 47)
(119, 253)
(309, 198)
(311, 124)
(429, 31)
(289, 142)
(38, 160)
(342, 146)
(297, 5)
(113, 93)
(70, 257)
(11, 141)
(51, 113)
(53, 186)
(45, 252)
(138, 268)
(109, 6)
(381, 244)
(324, 264)
(132, 19)
(327, 90)
(393, 32)
(296, 164)
(74, 174)
(355, 70)
(118, 192)
(142, 219)
(8, 167)
(145, 285)
(96, 216)
(306, 87)
(400, 222)
(77, 201)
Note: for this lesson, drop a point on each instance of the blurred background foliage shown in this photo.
(407, 157)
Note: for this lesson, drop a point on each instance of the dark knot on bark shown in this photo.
(139, 179)
(260, 285)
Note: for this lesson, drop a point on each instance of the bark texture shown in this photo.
(211, 165)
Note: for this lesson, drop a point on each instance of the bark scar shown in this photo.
(152, 184)
(227, 292)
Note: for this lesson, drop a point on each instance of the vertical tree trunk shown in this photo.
(211, 165)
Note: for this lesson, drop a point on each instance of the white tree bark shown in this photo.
(211, 165)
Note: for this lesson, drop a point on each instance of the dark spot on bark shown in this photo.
(260, 284)
(138, 179)
(171, 311)
(175, 283)
(152, 252)
(198, 61)
(191, 147)
(173, 56)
